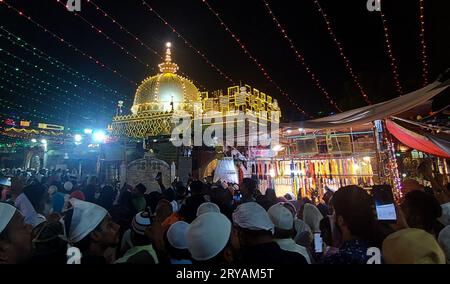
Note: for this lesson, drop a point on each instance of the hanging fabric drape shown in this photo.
(415, 140)
(367, 114)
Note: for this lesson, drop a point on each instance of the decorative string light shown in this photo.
(42, 55)
(25, 81)
(44, 89)
(18, 71)
(394, 67)
(10, 105)
(245, 50)
(394, 168)
(425, 68)
(6, 115)
(63, 41)
(30, 90)
(125, 30)
(70, 83)
(46, 96)
(42, 103)
(190, 45)
(300, 56)
(99, 31)
(347, 64)
(134, 37)
(58, 89)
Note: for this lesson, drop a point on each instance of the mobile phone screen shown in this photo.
(5, 181)
(386, 212)
(384, 203)
(318, 243)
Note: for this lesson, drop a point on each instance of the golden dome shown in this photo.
(166, 91)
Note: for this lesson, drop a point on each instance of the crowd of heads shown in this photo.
(52, 217)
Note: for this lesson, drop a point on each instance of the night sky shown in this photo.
(85, 105)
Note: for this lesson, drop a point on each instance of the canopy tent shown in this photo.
(444, 144)
(374, 112)
(427, 143)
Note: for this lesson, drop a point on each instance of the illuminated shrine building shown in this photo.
(161, 96)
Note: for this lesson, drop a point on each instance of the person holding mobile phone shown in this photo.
(356, 224)
(384, 203)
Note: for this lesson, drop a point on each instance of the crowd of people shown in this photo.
(53, 218)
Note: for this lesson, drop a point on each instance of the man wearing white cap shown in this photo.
(90, 228)
(207, 207)
(22, 202)
(176, 243)
(68, 186)
(283, 219)
(15, 236)
(253, 236)
(141, 250)
(208, 239)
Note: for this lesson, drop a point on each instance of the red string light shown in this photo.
(133, 36)
(301, 58)
(125, 30)
(245, 50)
(394, 67)
(15, 40)
(425, 68)
(115, 43)
(341, 52)
(60, 39)
(190, 45)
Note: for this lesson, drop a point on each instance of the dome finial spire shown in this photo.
(168, 66)
(168, 53)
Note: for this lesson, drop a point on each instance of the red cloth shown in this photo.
(241, 175)
(415, 140)
(78, 195)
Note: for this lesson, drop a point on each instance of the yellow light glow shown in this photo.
(278, 148)
(272, 173)
(169, 44)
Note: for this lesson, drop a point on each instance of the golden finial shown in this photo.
(168, 66)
